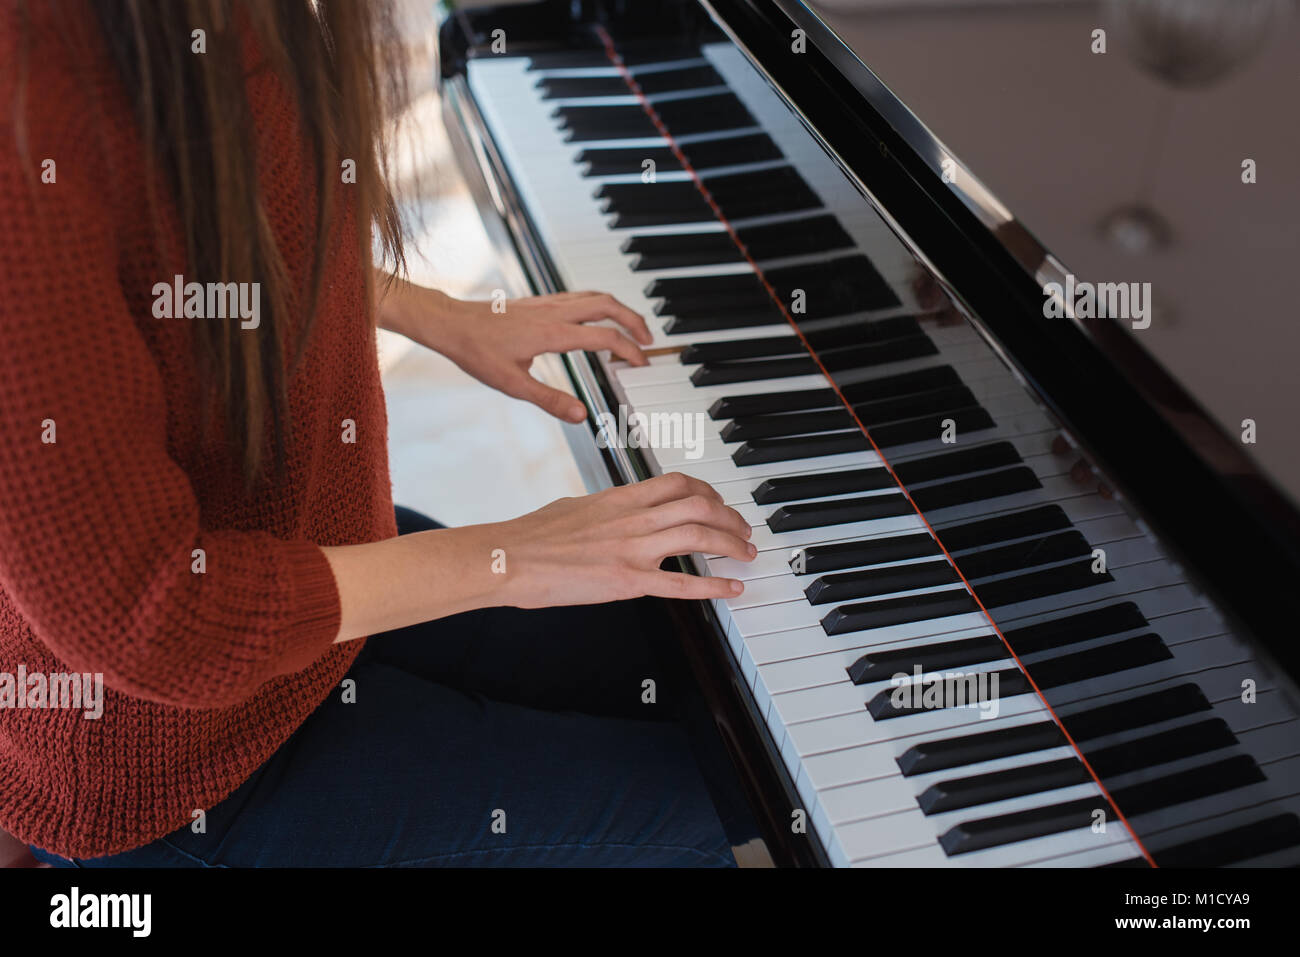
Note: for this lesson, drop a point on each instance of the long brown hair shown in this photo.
(195, 120)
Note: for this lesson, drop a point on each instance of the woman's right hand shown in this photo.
(608, 546)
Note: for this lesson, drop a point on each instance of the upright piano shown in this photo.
(1020, 600)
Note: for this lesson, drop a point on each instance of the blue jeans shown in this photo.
(496, 737)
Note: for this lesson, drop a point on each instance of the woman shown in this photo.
(194, 494)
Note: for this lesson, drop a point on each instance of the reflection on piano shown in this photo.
(950, 650)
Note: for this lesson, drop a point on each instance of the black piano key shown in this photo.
(742, 304)
(799, 447)
(913, 405)
(632, 53)
(948, 655)
(816, 559)
(590, 123)
(732, 349)
(930, 427)
(685, 249)
(715, 112)
(877, 353)
(838, 511)
(1001, 528)
(1002, 785)
(1199, 782)
(870, 415)
(981, 458)
(896, 611)
(965, 652)
(1125, 715)
(702, 155)
(834, 287)
(1164, 705)
(710, 113)
(796, 487)
(754, 370)
(1057, 547)
(980, 833)
(947, 753)
(817, 234)
(653, 82)
(855, 357)
(849, 586)
(1098, 623)
(728, 151)
(761, 193)
(936, 656)
(760, 314)
(791, 489)
(977, 488)
(1237, 845)
(901, 384)
(1095, 662)
(843, 334)
(1182, 742)
(734, 406)
(1061, 670)
(950, 691)
(1040, 584)
(799, 237)
(765, 403)
(653, 204)
(714, 288)
(613, 161)
(574, 58)
(574, 87)
(739, 196)
(1147, 752)
(791, 423)
(854, 332)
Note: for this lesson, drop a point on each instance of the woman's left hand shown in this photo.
(498, 347)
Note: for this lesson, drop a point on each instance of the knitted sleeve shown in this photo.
(98, 525)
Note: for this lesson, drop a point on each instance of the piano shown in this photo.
(1019, 601)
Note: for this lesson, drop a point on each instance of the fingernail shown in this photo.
(752, 550)
(737, 587)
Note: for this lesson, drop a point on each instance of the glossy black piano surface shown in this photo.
(1019, 601)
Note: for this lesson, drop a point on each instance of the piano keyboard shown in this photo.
(857, 581)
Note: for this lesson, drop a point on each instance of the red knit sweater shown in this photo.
(205, 675)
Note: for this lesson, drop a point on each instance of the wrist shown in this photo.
(417, 312)
(479, 564)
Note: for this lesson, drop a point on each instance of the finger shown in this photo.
(596, 338)
(549, 400)
(600, 305)
(698, 509)
(663, 584)
(667, 488)
(701, 539)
